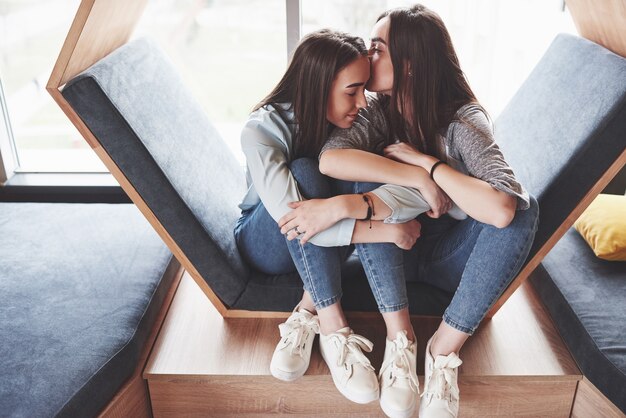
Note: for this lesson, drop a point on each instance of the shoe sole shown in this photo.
(360, 399)
(286, 376)
(395, 413)
(290, 376)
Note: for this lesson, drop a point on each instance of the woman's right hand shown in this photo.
(406, 153)
(438, 200)
(407, 233)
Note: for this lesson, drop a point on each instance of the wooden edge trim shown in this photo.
(608, 175)
(215, 378)
(601, 22)
(69, 45)
(137, 199)
(74, 118)
(585, 384)
(124, 395)
(99, 27)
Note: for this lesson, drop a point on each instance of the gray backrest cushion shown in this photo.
(135, 103)
(565, 126)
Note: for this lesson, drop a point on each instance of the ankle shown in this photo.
(438, 347)
(331, 319)
(410, 335)
(334, 326)
(309, 309)
(308, 306)
(433, 347)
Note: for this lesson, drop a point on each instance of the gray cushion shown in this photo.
(565, 126)
(157, 134)
(283, 292)
(80, 288)
(586, 297)
(159, 137)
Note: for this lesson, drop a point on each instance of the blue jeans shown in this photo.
(474, 260)
(263, 246)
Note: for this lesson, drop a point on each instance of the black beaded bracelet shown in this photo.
(432, 169)
(370, 209)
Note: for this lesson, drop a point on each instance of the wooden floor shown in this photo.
(204, 365)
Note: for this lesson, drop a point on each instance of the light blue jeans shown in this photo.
(473, 260)
(263, 246)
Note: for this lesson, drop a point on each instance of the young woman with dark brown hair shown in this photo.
(425, 129)
(322, 90)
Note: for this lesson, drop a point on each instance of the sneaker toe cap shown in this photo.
(288, 363)
(436, 408)
(399, 399)
(363, 380)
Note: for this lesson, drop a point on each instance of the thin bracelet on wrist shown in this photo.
(370, 209)
(432, 169)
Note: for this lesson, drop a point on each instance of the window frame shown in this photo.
(9, 161)
(21, 185)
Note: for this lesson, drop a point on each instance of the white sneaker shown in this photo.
(399, 387)
(440, 398)
(293, 353)
(352, 372)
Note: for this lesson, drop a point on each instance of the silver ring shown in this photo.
(297, 230)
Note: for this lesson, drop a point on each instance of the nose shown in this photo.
(361, 102)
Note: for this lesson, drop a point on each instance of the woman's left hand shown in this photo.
(405, 153)
(308, 218)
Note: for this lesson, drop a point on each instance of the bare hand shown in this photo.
(309, 217)
(438, 200)
(407, 234)
(404, 153)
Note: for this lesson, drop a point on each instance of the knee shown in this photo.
(311, 182)
(304, 166)
(529, 218)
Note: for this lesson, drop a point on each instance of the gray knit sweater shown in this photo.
(469, 147)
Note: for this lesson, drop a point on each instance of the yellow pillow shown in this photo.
(603, 225)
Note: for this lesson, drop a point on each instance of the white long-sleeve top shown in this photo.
(266, 141)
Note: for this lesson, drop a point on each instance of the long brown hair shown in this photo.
(424, 102)
(306, 85)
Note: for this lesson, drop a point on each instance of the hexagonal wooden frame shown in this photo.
(100, 27)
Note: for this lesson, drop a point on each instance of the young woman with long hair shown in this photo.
(322, 90)
(425, 128)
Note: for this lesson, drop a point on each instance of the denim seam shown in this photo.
(370, 274)
(454, 324)
(327, 302)
(393, 308)
(503, 285)
(516, 267)
(308, 272)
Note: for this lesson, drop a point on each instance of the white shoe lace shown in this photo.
(441, 384)
(350, 350)
(295, 330)
(399, 366)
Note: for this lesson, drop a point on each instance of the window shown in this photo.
(498, 42)
(44, 139)
(230, 53)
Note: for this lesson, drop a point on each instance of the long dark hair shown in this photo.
(425, 102)
(306, 85)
